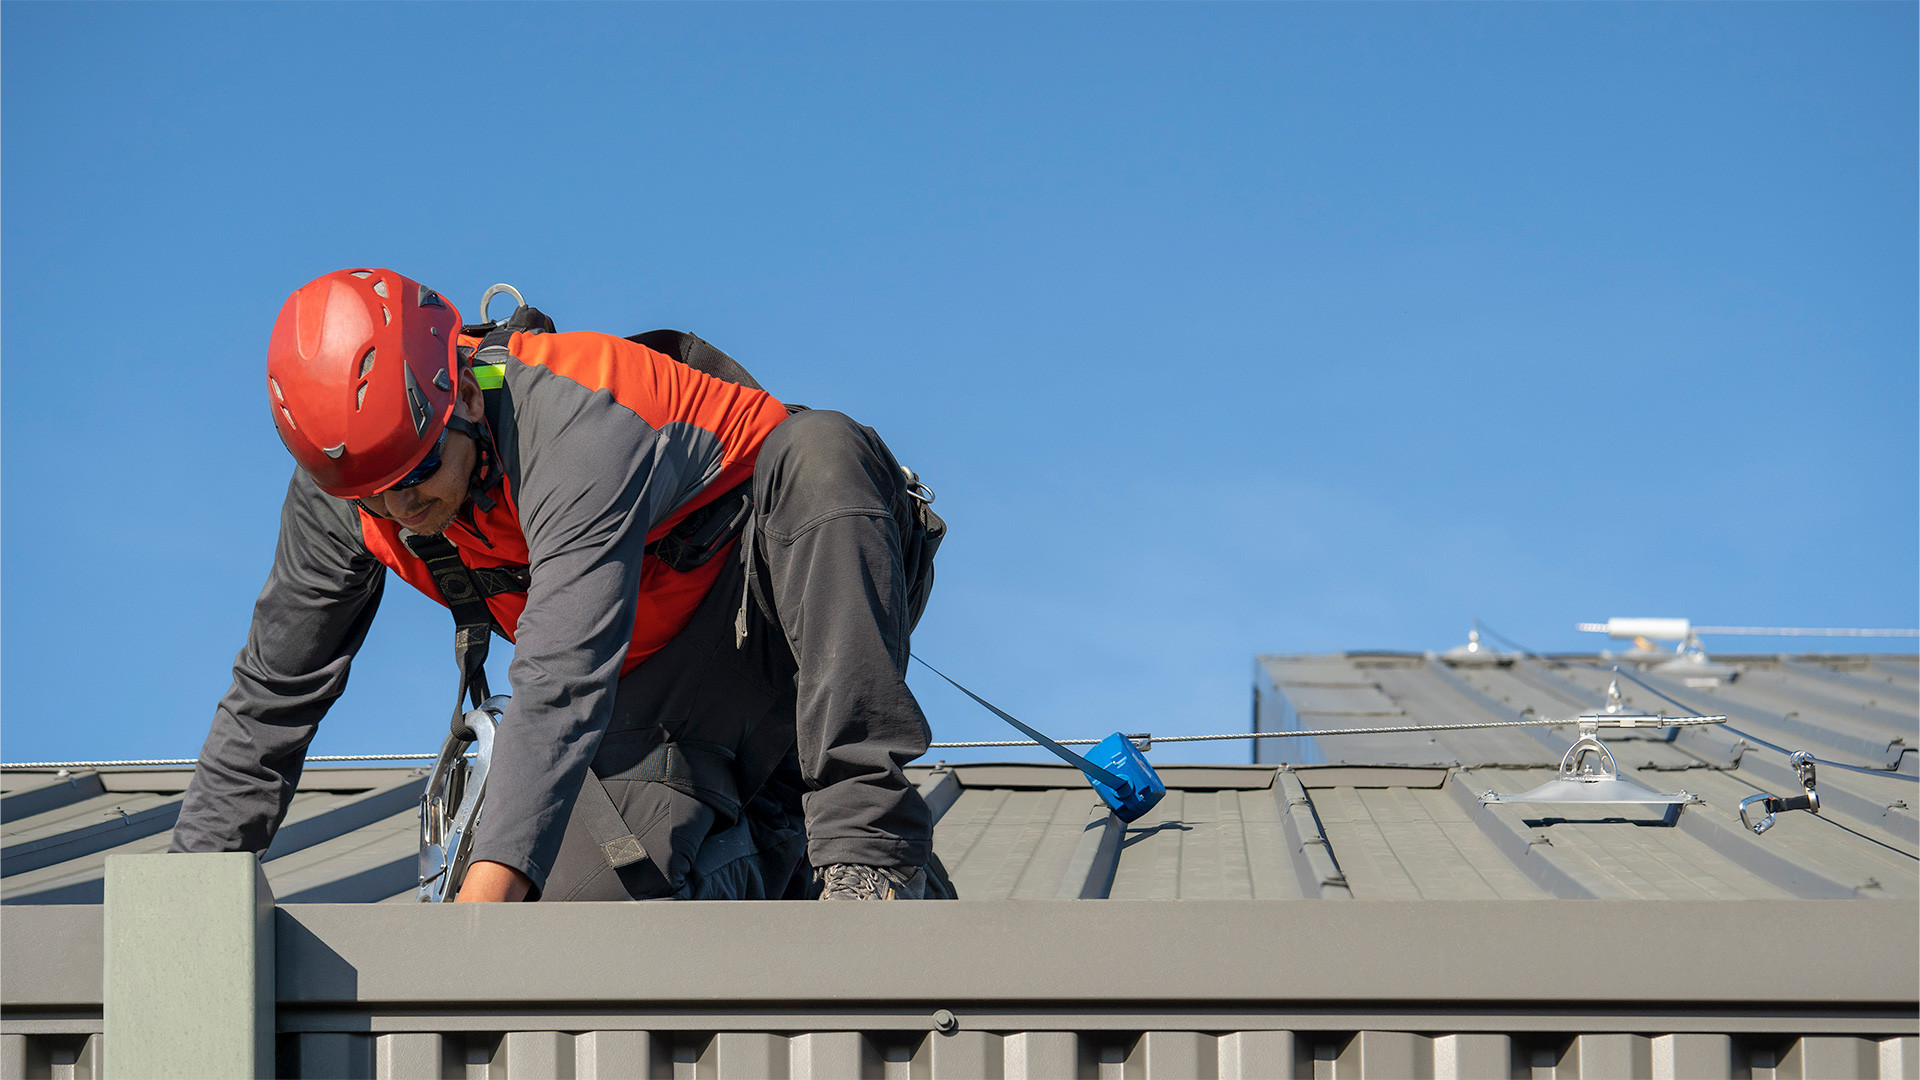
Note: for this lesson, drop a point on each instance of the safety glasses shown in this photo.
(424, 471)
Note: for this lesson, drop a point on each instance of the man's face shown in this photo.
(429, 507)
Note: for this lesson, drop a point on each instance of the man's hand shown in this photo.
(492, 883)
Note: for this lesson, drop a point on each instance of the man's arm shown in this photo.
(311, 617)
(590, 478)
(493, 883)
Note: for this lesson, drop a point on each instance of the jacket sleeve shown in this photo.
(319, 600)
(591, 478)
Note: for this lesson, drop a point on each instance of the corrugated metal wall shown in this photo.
(966, 1055)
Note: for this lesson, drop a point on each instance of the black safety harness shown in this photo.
(686, 765)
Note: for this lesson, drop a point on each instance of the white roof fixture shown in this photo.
(1651, 629)
(1681, 630)
(1690, 663)
(1472, 647)
(1588, 773)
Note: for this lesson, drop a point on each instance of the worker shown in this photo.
(709, 596)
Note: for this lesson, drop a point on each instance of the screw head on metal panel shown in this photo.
(944, 1021)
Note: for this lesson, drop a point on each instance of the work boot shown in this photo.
(852, 881)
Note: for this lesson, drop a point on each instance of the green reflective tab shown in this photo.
(489, 376)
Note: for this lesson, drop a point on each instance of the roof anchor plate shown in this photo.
(1588, 773)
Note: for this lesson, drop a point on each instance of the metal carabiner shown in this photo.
(1764, 823)
(450, 805)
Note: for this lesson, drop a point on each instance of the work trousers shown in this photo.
(823, 660)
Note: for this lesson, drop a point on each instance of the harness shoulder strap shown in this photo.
(465, 590)
(472, 621)
(696, 354)
(488, 370)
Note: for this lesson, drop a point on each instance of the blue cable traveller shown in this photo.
(1116, 768)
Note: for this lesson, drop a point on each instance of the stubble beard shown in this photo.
(436, 524)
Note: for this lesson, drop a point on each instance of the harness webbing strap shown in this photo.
(693, 767)
(609, 830)
(701, 535)
(499, 580)
(465, 590)
(472, 621)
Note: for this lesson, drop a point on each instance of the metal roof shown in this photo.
(1702, 949)
(1402, 816)
(351, 835)
(1367, 817)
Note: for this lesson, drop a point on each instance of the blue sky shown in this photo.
(1219, 330)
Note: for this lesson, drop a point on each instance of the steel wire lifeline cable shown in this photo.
(1398, 729)
(1694, 717)
(1783, 750)
(1865, 769)
(1736, 731)
(1776, 631)
(164, 762)
(1516, 646)
(1392, 729)
(1868, 770)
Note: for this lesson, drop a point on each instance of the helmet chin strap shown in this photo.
(485, 475)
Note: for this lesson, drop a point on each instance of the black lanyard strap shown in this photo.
(1120, 786)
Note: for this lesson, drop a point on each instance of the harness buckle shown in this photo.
(701, 535)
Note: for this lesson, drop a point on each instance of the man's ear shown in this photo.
(472, 405)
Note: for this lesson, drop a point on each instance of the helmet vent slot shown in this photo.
(360, 398)
(385, 315)
(366, 363)
(277, 392)
(380, 289)
(363, 273)
(416, 402)
(289, 416)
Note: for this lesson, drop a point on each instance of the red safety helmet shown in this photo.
(361, 374)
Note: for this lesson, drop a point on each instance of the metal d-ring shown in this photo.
(495, 290)
(915, 488)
